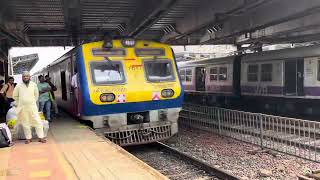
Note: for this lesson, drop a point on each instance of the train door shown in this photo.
(74, 92)
(300, 77)
(294, 70)
(63, 85)
(200, 78)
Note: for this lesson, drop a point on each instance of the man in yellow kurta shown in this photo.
(26, 95)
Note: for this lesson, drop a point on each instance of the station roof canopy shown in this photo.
(72, 22)
(24, 63)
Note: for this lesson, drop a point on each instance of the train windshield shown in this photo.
(107, 73)
(157, 71)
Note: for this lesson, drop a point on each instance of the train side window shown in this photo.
(188, 75)
(223, 71)
(182, 73)
(318, 75)
(266, 72)
(253, 73)
(213, 74)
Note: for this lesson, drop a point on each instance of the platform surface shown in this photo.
(73, 151)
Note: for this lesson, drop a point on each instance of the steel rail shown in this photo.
(198, 163)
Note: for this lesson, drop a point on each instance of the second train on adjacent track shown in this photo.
(282, 82)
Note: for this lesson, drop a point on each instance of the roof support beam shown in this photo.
(10, 28)
(207, 15)
(261, 20)
(72, 19)
(147, 13)
(242, 17)
(310, 23)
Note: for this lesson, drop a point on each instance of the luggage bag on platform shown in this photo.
(5, 136)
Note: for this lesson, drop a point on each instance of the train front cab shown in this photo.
(133, 94)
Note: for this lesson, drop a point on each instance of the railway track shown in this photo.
(177, 165)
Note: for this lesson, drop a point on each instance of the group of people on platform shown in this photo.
(28, 99)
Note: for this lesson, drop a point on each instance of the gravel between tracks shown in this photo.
(236, 157)
(169, 165)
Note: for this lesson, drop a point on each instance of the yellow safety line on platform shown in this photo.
(37, 161)
(33, 150)
(40, 174)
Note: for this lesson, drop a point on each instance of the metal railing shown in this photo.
(297, 137)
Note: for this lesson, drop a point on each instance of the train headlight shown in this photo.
(107, 97)
(128, 42)
(166, 93)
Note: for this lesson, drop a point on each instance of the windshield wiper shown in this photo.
(113, 67)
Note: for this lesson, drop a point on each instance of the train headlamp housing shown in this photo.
(128, 42)
(166, 93)
(107, 97)
(107, 41)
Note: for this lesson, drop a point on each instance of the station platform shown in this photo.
(73, 151)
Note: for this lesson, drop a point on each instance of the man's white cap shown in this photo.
(25, 73)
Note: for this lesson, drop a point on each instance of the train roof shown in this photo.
(207, 61)
(291, 53)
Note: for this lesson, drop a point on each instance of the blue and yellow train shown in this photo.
(129, 89)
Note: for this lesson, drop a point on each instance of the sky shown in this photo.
(46, 54)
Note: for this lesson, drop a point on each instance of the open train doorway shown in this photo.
(294, 70)
(200, 78)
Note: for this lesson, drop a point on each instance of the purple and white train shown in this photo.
(285, 82)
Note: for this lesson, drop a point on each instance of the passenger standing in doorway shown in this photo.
(44, 97)
(52, 97)
(74, 86)
(7, 91)
(26, 95)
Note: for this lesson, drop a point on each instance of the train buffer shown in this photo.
(73, 151)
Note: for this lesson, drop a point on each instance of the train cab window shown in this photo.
(107, 73)
(213, 74)
(253, 73)
(160, 70)
(266, 72)
(188, 75)
(223, 71)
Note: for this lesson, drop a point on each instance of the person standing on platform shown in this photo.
(26, 95)
(52, 97)
(6, 92)
(44, 97)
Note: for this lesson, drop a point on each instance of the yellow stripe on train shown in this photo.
(136, 88)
